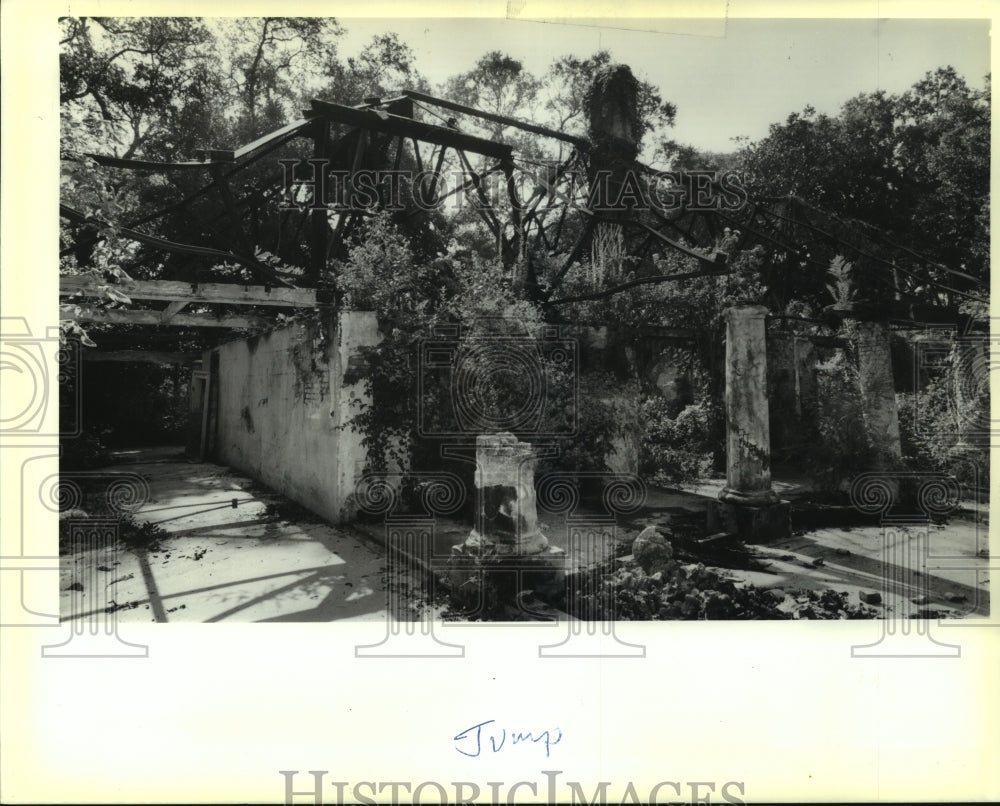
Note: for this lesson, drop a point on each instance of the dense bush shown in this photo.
(676, 447)
(928, 425)
(472, 301)
(86, 451)
(845, 447)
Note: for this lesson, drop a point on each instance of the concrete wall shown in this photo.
(280, 402)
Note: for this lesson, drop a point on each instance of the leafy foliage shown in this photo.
(678, 447)
(845, 447)
(842, 290)
(692, 592)
(912, 166)
(929, 426)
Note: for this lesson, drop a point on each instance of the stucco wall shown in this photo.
(280, 399)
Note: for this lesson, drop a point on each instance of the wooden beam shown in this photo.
(319, 226)
(579, 142)
(151, 165)
(177, 291)
(377, 120)
(139, 356)
(216, 154)
(254, 265)
(171, 311)
(296, 127)
(655, 278)
(123, 316)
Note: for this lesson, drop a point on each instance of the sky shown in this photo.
(734, 85)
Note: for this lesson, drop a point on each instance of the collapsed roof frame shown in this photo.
(395, 117)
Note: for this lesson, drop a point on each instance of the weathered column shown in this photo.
(747, 505)
(505, 553)
(748, 440)
(506, 513)
(615, 131)
(878, 393)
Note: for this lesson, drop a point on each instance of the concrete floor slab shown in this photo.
(220, 562)
(233, 551)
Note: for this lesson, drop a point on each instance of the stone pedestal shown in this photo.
(506, 553)
(751, 523)
(506, 513)
(747, 505)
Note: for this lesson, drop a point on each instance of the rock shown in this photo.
(651, 550)
(777, 593)
(870, 597)
(843, 552)
(816, 563)
(955, 597)
(921, 600)
(76, 586)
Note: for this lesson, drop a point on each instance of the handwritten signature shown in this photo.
(475, 739)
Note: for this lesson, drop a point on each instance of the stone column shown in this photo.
(747, 506)
(748, 441)
(878, 394)
(506, 513)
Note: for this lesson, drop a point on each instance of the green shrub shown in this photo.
(86, 451)
(928, 427)
(675, 449)
(845, 447)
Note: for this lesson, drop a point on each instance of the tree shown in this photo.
(386, 64)
(124, 81)
(499, 84)
(270, 62)
(911, 169)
